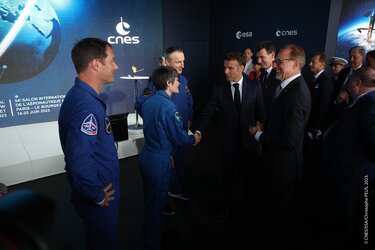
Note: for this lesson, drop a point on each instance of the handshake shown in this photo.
(254, 129)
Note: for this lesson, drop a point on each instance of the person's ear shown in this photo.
(95, 63)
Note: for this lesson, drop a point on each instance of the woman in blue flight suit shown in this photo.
(174, 57)
(163, 131)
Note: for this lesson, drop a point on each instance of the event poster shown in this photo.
(356, 26)
(36, 38)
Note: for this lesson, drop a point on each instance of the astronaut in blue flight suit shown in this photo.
(175, 58)
(163, 130)
(92, 164)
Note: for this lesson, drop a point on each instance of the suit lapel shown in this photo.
(285, 91)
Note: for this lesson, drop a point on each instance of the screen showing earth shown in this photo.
(36, 38)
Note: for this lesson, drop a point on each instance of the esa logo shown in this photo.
(286, 32)
(123, 29)
(241, 34)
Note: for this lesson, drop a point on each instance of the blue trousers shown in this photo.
(155, 169)
(100, 223)
(179, 171)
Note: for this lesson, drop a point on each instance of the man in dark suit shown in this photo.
(321, 87)
(237, 110)
(282, 144)
(266, 52)
(341, 98)
(349, 157)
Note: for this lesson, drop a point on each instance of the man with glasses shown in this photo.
(282, 143)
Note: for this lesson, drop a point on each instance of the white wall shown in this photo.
(33, 151)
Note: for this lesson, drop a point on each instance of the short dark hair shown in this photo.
(250, 48)
(88, 49)
(321, 57)
(162, 75)
(268, 45)
(237, 56)
(170, 50)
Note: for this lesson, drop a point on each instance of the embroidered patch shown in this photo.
(108, 127)
(177, 117)
(89, 125)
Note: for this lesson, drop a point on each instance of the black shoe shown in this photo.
(223, 216)
(168, 210)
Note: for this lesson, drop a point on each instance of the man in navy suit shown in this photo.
(238, 149)
(349, 157)
(282, 143)
(266, 52)
(321, 87)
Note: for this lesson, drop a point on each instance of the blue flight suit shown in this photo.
(184, 103)
(163, 131)
(91, 163)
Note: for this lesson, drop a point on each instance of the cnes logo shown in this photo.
(123, 29)
(286, 32)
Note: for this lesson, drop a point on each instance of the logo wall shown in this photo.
(286, 33)
(244, 34)
(123, 29)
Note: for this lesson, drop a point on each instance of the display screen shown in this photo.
(36, 38)
(356, 26)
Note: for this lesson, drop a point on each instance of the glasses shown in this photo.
(279, 61)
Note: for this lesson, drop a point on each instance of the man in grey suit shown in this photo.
(282, 143)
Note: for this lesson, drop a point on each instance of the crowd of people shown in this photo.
(280, 134)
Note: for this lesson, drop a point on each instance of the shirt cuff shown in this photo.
(100, 203)
(257, 135)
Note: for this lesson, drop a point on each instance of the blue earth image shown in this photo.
(352, 38)
(30, 36)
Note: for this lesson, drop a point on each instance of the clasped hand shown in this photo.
(254, 129)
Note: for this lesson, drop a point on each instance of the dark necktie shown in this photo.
(265, 75)
(237, 98)
(313, 79)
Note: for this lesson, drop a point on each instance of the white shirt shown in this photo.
(239, 87)
(318, 74)
(249, 67)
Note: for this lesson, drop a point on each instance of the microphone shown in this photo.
(4, 67)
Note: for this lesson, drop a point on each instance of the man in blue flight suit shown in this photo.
(174, 57)
(92, 164)
(163, 130)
